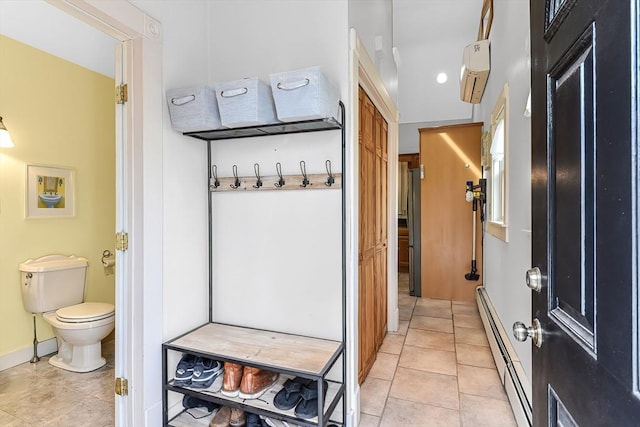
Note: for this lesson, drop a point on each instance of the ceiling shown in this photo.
(430, 36)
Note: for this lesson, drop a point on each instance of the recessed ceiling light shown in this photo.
(442, 78)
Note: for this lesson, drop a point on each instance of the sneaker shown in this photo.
(232, 379)
(184, 370)
(255, 382)
(205, 372)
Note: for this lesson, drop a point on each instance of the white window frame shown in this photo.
(497, 225)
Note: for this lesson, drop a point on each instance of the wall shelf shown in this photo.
(270, 129)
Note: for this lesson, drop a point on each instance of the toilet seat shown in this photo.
(85, 312)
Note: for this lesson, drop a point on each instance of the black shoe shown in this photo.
(254, 420)
(193, 402)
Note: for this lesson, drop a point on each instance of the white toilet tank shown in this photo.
(51, 282)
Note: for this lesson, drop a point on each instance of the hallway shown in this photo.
(436, 371)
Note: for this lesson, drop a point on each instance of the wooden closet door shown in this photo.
(366, 247)
(373, 240)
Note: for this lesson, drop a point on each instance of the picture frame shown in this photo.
(50, 192)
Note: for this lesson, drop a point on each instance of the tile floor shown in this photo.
(436, 371)
(40, 395)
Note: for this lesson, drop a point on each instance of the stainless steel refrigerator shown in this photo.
(413, 224)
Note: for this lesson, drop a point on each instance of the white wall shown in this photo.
(505, 264)
(373, 22)
(278, 254)
(185, 247)
(47, 28)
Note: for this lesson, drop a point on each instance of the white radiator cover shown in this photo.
(510, 369)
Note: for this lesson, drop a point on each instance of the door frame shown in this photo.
(363, 72)
(138, 172)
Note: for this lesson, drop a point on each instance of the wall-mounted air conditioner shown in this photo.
(475, 71)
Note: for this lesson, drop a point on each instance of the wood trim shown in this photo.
(447, 127)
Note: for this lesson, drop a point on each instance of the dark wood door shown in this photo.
(585, 212)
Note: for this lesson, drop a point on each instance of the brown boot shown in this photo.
(232, 378)
(238, 419)
(221, 418)
(256, 381)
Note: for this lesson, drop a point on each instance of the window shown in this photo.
(497, 173)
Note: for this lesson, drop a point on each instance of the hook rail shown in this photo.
(291, 182)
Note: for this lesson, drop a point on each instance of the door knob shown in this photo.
(534, 279)
(522, 332)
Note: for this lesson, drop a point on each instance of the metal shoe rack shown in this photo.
(289, 355)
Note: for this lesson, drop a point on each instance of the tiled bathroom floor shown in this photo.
(40, 395)
(436, 371)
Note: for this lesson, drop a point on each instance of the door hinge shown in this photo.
(122, 241)
(122, 386)
(121, 94)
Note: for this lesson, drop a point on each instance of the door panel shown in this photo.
(451, 157)
(372, 249)
(584, 211)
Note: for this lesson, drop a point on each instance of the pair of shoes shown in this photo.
(246, 382)
(193, 402)
(291, 393)
(308, 406)
(197, 372)
(228, 417)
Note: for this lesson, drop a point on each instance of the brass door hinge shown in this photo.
(122, 386)
(122, 241)
(121, 94)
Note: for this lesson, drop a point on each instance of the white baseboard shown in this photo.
(509, 368)
(22, 355)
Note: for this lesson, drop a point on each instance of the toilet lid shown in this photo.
(85, 312)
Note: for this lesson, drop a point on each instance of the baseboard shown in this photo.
(509, 368)
(17, 357)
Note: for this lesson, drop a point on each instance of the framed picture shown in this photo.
(50, 192)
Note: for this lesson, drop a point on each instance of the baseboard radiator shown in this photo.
(510, 369)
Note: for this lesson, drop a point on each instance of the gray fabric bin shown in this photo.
(193, 109)
(245, 102)
(303, 95)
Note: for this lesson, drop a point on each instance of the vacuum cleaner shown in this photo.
(476, 195)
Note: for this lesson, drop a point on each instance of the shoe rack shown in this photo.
(287, 354)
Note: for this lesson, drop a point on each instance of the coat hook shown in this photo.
(214, 174)
(330, 179)
(236, 183)
(280, 182)
(256, 169)
(303, 169)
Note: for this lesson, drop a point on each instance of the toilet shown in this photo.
(55, 286)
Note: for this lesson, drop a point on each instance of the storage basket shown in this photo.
(303, 95)
(245, 102)
(193, 109)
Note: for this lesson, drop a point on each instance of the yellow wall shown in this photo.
(61, 115)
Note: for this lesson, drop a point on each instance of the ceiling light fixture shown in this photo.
(442, 78)
(5, 138)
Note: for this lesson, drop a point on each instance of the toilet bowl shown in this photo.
(79, 330)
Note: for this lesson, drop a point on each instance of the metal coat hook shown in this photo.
(280, 182)
(303, 169)
(256, 169)
(330, 179)
(214, 173)
(236, 183)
